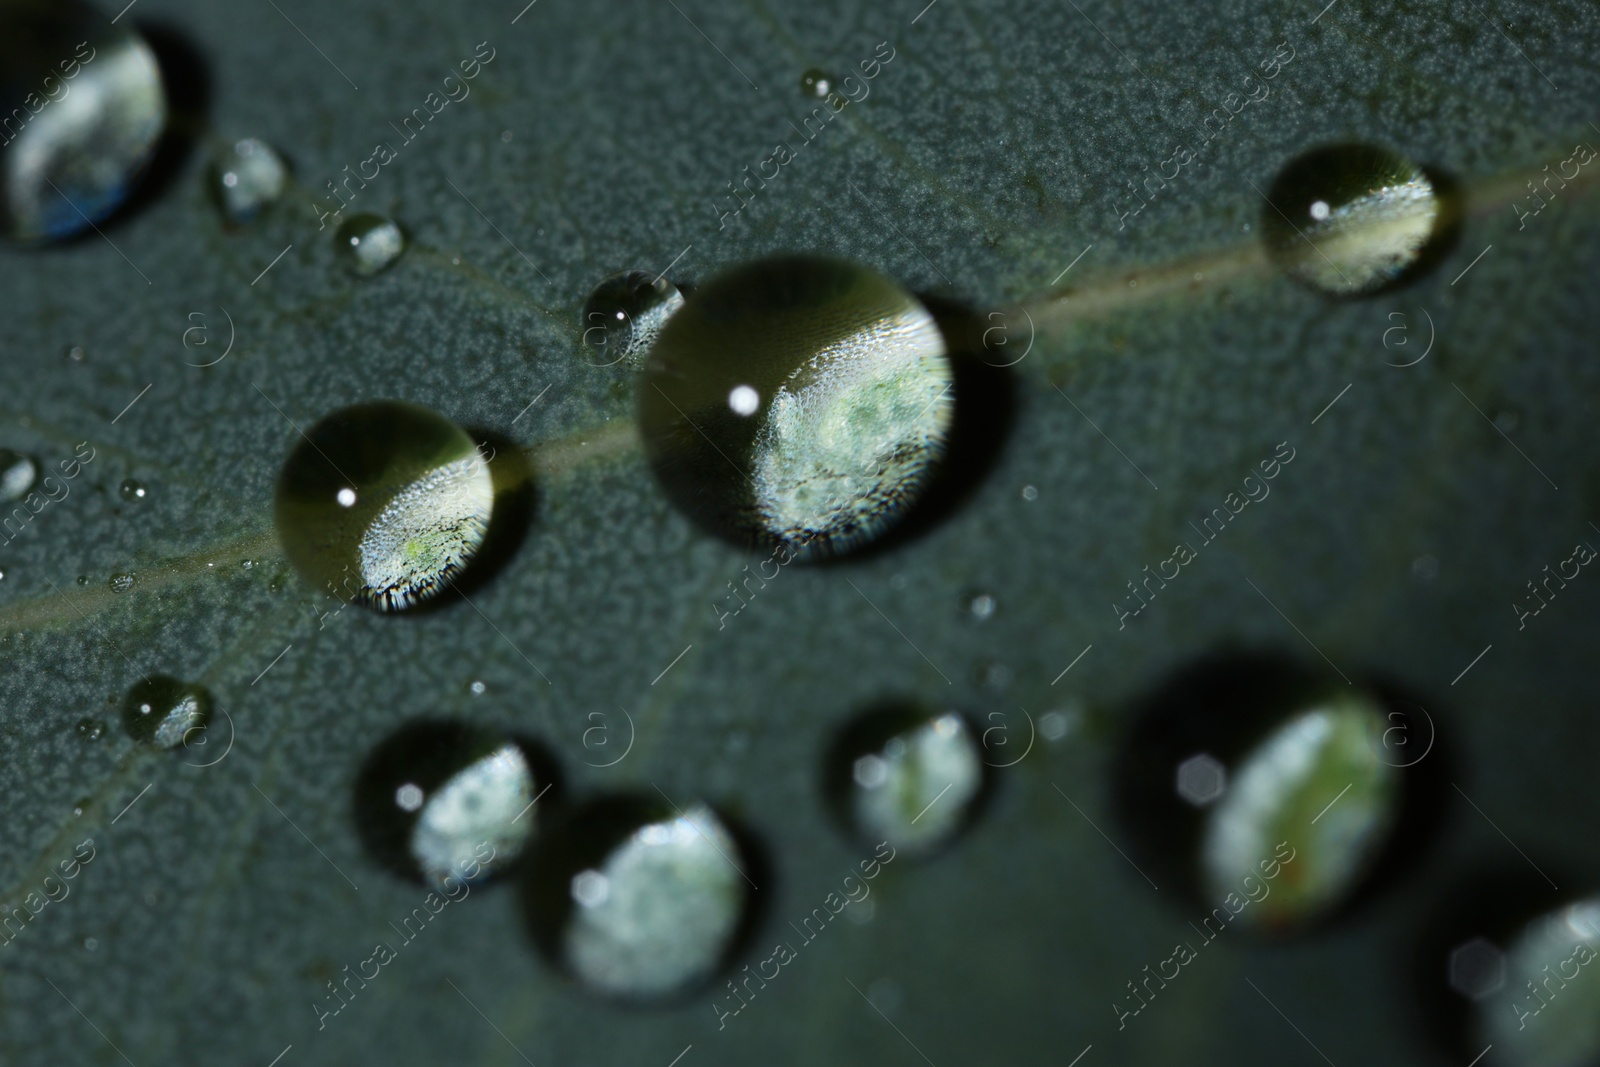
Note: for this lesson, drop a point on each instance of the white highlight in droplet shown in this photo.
(346, 498)
(744, 400)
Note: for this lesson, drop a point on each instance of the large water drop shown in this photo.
(444, 799)
(798, 400)
(81, 110)
(383, 503)
(638, 899)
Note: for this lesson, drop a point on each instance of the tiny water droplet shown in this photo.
(131, 490)
(854, 388)
(247, 177)
(906, 777)
(1030, 493)
(121, 583)
(478, 688)
(505, 136)
(1350, 219)
(979, 607)
(91, 729)
(625, 314)
(816, 84)
(75, 353)
(85, 108)
(18, 473)
(637, 899)
(162, 711)
(83, 579)
(383, 503)
(368, 244)
(90, 944)
(439, 800)
(247, 563)
(1054, 725)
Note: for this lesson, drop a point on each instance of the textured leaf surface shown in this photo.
(992, 150)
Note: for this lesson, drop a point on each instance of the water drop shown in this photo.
(247, 177)
(75, 354)
(1547, 1011)
(906, 778)
(90, 729)
(83, 579)
(131, 490)
(816, 84)
(1350, 219)
(162, 711)
(18, 473)
(854, 388)
(477, 688)
(638, 899)
(86, 108)
(625, 314)
(368, 244)
(1250, 777)
(1030, 493)
(979, 607)
(441, 800)
(121, 583)
(383, 503)
(90, 944)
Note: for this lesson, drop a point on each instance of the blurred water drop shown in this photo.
(906, 778)
(18, 473)
(85, 107)
(444, 799)
(247, 177)
(855, 404)
(121, 583)
(637, 899)
(816, 84)
(1350, 219)
(625, 314)
(131, 490)
(1548, 1013)
(979, 607)
(368, 244)
(383, 503)
(162, 711)
(75, 354)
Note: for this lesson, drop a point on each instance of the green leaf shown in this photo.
(993, 152)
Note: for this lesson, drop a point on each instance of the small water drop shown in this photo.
(85, 108)
(90, 944)
(637, 899)
(83, 579)
(1030, 493)
(383, 503)
(247, 563)
(18, 473)
(906, 778)
(90, 729)
(131, 490)
(247, 177)
(1350, 219)
(75, 354)
(816, 84)
(162, 711)
(478, 688)
(625, 313)
(505, 136)
(854, 387)
(440, 800)
(368, 244)
(121, 583)
(979, 607)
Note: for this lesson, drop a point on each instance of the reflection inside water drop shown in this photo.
(247, 177)
(164, 711)
(907, 779)
(625, 314)
(368, 244)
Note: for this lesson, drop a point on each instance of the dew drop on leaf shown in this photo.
(94, 108)
(247, 177)
(907, 778)
(798, 400)
(638, 899)
(441, 800)
(383, 503)
(131, 490)
(162, 711)
(1350, 219)
(816, 84)
(368, 244)
(122, 582)
(624, 314)
(17, 475)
